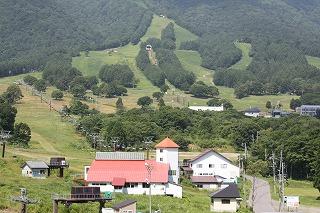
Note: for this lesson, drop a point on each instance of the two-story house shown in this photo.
(210, 169)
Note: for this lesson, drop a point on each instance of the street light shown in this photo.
(148, 179)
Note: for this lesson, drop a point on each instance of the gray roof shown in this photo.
(253, 110)
(120, 156)
(35, 165)
(123, 204)
(208, 151)
(231, 191)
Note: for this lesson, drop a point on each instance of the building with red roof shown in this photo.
(126, 172)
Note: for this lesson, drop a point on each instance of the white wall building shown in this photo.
(226, 200)
(167, 152)
(211, 163)
(252, 112)
(207, 108)
(34, 169)
(126, 172)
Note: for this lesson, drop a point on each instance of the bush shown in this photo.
(57, 94)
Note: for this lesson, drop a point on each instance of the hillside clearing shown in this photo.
(315, 61)
(245, 59)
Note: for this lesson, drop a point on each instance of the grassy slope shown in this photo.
(191, 61)
(304, 189)
(52, 137)
(315, 61)
(246, 59)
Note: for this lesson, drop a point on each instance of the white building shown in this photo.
(252, 112)
(226, 200)
(207, 108)
(167, 152)
(126, 172)
(34, 169)
(211, 163)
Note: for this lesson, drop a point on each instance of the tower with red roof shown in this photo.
(167, 152)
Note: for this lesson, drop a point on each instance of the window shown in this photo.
(127, 211)
(211, 165)
(172, 172)
(118, 187)
(200, 186)
(42, 172)
(199, 166)
(200, 173)
(161, 159)
(145, 185)
(131, 185)
(161, 150)
(223, 166)
(205, 174)
(225, 201)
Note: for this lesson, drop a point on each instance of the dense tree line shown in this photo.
(31, 32)
(20, 132)
(305, 99)
(118, 73)
(174, 72)
(279, 41)
(296, 136)
(168, 37)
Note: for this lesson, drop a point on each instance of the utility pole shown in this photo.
(148, 179)
(244, 181)
(245, 150)
(4, 135)
(274, 171)
(281, 181)
(148, 141)
(253, 196)
(24, 200)
(115, 141)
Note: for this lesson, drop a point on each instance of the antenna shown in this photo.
(23, 199)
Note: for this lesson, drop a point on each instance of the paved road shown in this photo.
(262, 202)
(261, 198)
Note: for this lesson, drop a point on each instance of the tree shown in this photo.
(7, 116)
(78, 91)
(40, 85)
(119, 104)
(30, 80)
(161, 103)
(164, 88)
(199, 89)
(79, 108)
(13, 94)
(57, 94)
(157, 95)
(21, 135)
(144, 101)
(294, 103)
(268, 105)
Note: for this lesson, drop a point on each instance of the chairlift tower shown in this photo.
(24, 200)
(4, 136)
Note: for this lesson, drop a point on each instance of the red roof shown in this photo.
(167, 143)
(133, 171)
(116, 181)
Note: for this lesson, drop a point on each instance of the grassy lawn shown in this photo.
(246, 59)
(304, 189)
(315, 61)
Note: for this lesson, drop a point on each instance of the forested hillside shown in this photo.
(281, 32)
(31, 31)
